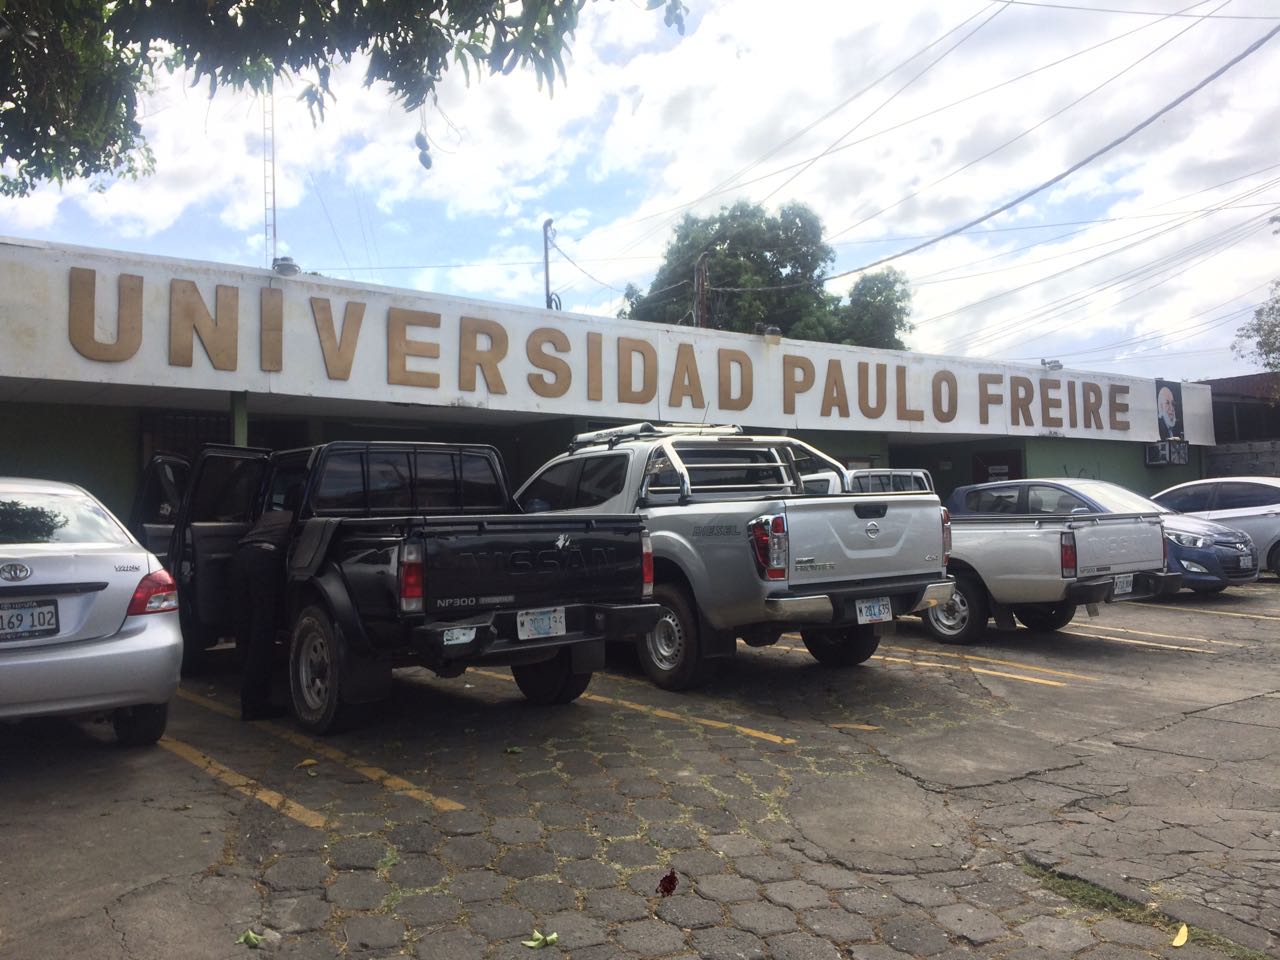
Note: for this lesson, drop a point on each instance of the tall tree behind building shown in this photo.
(768, 270)
(1258, 338)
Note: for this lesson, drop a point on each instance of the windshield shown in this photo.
(56, 518)
(1117, 499)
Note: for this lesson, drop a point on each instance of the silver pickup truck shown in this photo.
(1039, 549)
(741, 550)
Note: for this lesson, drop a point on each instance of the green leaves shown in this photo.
(538, 941)
(251, 940)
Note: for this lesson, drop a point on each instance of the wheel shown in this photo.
(842, 648)
(140, 726)
(1047, 618)
(1273, 560)
(1209, 591)
(551, 681)
(963, 618)
(671, 653)
(316, 672)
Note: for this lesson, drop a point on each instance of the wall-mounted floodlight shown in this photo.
(1051, 365)
(285, 267)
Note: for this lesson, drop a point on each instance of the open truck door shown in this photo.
(217, 510)
(157, 502)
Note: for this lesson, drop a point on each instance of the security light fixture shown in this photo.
(285, 267)
(1051, 365)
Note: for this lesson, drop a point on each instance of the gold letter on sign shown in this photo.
(797, 377)
(686, 382)
(471, 358)
(338, 354)
(726, 360)
(399, 346)
(871, 409)
(905, 410)
(189, 318)
(628, 392)
(80, 317)
(834, 395)
(271, 334)
(561, 374)
(945, 393)
(1118, 406)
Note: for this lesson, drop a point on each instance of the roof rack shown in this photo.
(631, 431)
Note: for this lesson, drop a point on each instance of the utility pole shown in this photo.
(547, 235)
(700, 290)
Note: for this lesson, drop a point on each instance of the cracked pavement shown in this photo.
(874, 813)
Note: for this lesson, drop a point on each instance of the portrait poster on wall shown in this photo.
(1169, 409)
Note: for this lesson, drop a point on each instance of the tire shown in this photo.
(1273, 560)
(671, 653)
(1046, 619)
(1209, 591)
(317, 668)
(140, 726)
(842, 648)
(551, 682)
(963, 618)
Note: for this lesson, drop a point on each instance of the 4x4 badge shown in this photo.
(13, 572)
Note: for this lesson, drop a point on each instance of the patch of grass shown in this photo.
(389, 859)
(1099, 899)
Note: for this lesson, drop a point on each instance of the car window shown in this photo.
(999, 500)
(553, 489)
(720, 467)
(1052, 500)
(1241, 496)
(226, 490)
(341, 483)
(602, 479)
(480, 486)
(1186, 499)
(56, 518)
(435, 484)
(162, 494)
(288, 477)
(1117, 499)
(390, 486)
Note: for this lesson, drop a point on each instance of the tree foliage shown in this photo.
(71, 70)
(1258, 338)
(766, 270)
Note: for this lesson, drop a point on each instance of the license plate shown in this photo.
(535, 624)
(1246, 563)
(1124, 584)
(23, 619)
(875, 610)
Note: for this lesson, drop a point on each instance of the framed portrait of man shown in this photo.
(1169, 409)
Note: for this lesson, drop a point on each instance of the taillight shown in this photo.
(946, 536)
(769, 542)
(1068, 556)
(646, 565)
(156, 593)
(412, 578)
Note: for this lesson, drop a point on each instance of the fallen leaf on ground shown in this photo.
(1181, 938)
(514, 750)
(250, 939)
(538, 941)
(306, 763)
(667, 885)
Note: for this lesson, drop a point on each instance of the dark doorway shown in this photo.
(992, 465)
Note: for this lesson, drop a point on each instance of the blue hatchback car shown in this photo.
(1209, 556)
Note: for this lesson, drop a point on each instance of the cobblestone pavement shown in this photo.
(877, 813)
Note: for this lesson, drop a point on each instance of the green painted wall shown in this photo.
(1118, 461)
(96, 447)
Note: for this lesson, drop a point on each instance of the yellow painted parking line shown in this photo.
(853, 726)
(1139, 643)
(1006, 663)
(1162, 636)
(660, 712)
(956, 666)
(246, 785)
(1179, 608)
(383, 778)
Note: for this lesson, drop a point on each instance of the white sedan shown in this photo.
(88, 617)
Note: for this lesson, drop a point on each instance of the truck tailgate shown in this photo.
(1118, 543)
(478, 563)
(863, 535)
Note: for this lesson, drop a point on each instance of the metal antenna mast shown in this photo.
(269, 176)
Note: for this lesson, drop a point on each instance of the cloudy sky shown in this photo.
(895, 122)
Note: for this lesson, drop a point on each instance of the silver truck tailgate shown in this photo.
(863, 536)
(1115, 543)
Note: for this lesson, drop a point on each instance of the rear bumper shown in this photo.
(838, 604)
(139, 664)
(1146, 584)
(493, 639)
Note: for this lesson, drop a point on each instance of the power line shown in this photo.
(1136, 13)
(884, 103)
(582, 271)
(1027, 132)
(1248, 51)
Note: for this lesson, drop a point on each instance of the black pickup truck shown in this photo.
(401, 554)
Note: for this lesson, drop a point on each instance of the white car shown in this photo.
(88, 617)
(1251, 504)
